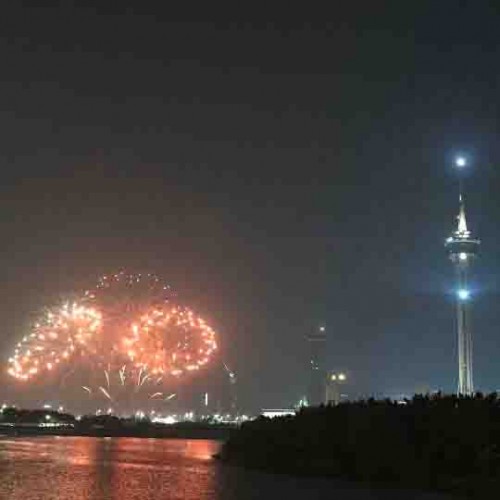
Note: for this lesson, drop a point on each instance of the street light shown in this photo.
(460, 161)
(463, 294)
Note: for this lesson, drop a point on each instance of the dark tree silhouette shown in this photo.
(438, 442)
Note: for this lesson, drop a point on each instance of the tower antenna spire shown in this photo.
(462, 220)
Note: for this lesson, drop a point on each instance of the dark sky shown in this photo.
(279, 171)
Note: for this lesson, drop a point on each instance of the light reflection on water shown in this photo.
(80, 468)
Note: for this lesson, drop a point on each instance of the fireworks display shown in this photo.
(170, 341)
(61, 335)
(126, 336)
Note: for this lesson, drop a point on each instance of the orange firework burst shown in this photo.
(56, 338)
(123, 341)
(170, 340)
(123, 338)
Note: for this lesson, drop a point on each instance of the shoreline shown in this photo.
(219, 434)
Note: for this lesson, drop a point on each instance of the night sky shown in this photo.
(279, 171)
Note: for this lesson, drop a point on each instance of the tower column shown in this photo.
(465, 380)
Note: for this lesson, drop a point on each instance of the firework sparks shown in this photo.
(59, 336)
(170, 340)
(121, 374)
(105, 392)
(126, 329)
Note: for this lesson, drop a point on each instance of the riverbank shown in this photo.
(440, 443)
(166, 432)
(19, 422)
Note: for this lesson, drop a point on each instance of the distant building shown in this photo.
(233, 390)
(272, 413)
(335, 384)
(316, 371)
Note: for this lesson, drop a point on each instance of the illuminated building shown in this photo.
(316, 383)
(334, 383)
(462, 249)
(272, 413)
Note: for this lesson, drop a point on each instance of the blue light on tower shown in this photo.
(463, 294)
(460, 161)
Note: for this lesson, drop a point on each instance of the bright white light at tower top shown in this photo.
(463, 294)
(460, 161)
(462, 256)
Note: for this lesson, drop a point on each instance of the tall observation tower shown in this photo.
(462, 249)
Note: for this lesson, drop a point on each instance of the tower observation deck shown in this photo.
(463, 248)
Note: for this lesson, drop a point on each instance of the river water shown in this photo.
(81, 468)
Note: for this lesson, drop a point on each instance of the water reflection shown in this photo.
(107, 469)
(74, 468)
